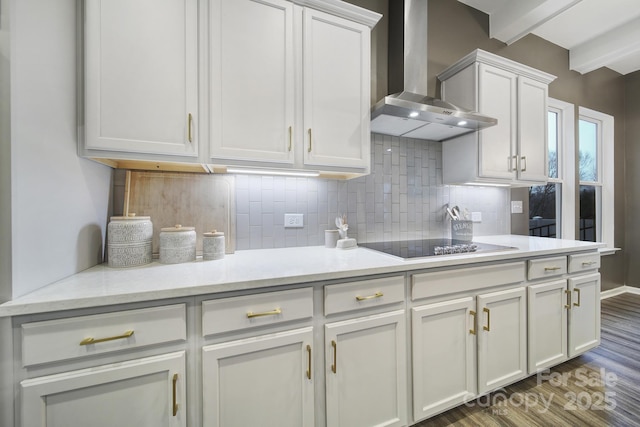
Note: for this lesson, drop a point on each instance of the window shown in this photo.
(595, 174)
(553, 208)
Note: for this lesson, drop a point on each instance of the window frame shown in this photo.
(605, 169)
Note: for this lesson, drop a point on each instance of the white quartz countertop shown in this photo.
(255, 269)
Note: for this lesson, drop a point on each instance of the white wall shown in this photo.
(59, 202)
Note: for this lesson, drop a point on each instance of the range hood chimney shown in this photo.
(411, 113)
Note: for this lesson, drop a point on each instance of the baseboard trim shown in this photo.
(619, 291)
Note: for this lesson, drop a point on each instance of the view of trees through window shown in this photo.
(588, 173)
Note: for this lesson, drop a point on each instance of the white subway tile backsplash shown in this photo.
(402, 198)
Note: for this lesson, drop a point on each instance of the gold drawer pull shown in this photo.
(577, 304)
(175, 404)
(488, 327)
(90, 340)
(551, 268)
(275, 312)
(334, 367)
(290, 137)
(588, 264)
(568, 304)
(309, 354)
(473, 331)
(189, 126)
(376, 295)
(310, 141)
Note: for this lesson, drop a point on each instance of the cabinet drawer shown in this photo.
(231, 314)
(584, 262)
(363, 294)
(61, 339)
(547, 267)
(426, 285)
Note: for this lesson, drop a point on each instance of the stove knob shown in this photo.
(437, 250)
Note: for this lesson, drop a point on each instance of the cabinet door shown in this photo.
(532, 130)
(444, 356)
(547, 325)
(584, 315)
(141, 76)
(366, 372)
(502, 338)
(252, 80)
(259, 381)
(497, 98)
(142, 392)
(336, 91)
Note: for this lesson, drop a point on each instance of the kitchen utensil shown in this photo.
(451, 214)
(456, 212)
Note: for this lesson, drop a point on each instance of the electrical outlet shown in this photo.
(476, 216)
(293, 221)
(516, 207)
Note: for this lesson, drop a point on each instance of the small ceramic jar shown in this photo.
(177, 244)
(129, 241)
(213, 245)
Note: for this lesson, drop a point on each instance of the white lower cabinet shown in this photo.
(259, 381)
(467, 347)
(564, 320)
(142, 392)
(444, 355)
(584, 315)
(502, 338)
(366, 372)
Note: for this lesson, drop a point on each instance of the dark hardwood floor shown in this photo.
(600, 388)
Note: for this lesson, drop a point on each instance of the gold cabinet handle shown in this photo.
(334, 367)
(513, 163)
(376, 295)
(290, 137)
(588, 264)
(90, 340)
(473, 314)
(577, 304)
(309, 140)
(488, 327)
(189, 126)
(275, 312)
(551, 268)
(568, 304)
(523, 159)
(309, 354)
(175, 404)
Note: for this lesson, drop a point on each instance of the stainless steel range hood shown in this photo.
(410, 113)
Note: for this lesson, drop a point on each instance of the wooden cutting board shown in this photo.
(203, 201)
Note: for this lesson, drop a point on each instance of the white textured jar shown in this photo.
(129, 241)
(177, 244)
(213, 245)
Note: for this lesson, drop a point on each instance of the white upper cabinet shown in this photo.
(514, 152)
(252, 80)
(141, 77)
(290, 85)
(336, 91)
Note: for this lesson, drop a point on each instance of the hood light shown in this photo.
(414, 114)
(462, 122)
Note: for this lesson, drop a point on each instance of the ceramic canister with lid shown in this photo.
(213, 245)
(129, 241)
(177, 244)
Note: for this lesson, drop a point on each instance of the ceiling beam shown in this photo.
(516, 19)
(616, 45)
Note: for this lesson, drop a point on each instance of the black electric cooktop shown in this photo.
(431, 247)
